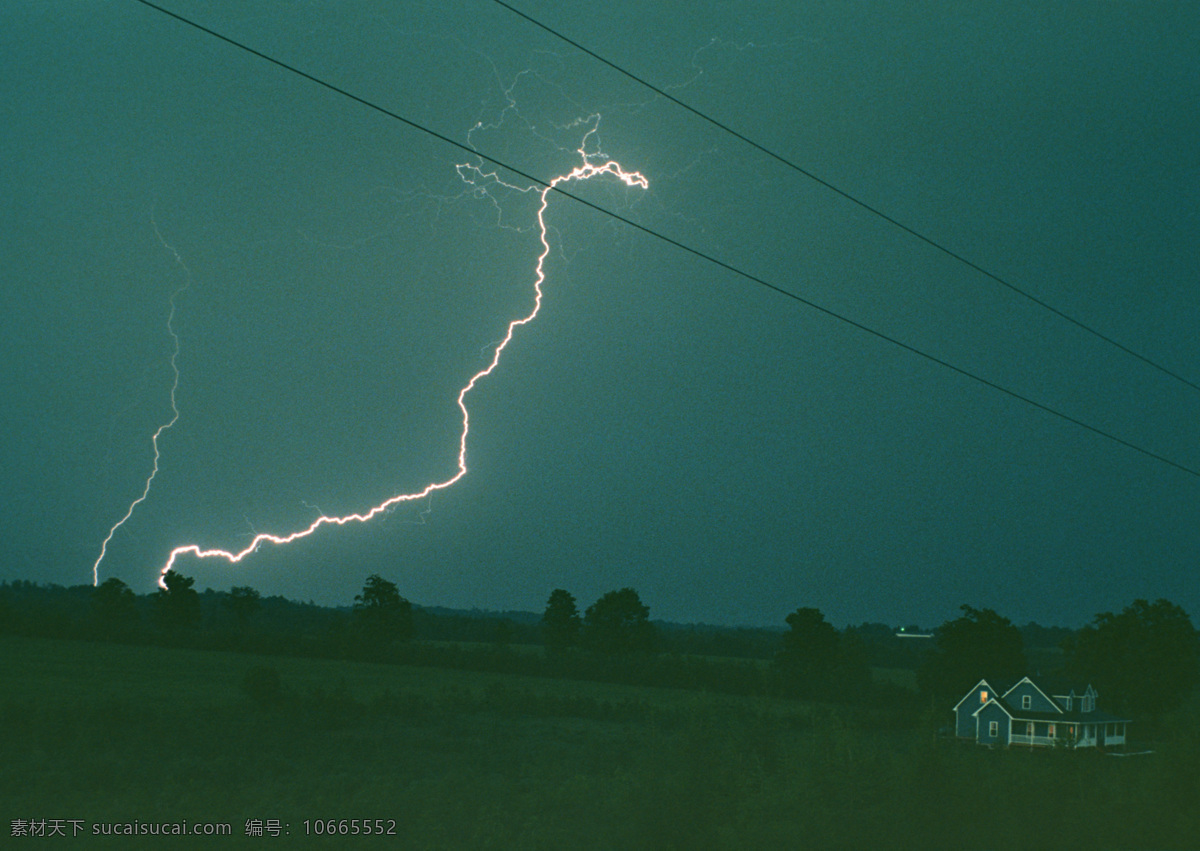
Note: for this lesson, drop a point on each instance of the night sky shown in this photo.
(664, 423)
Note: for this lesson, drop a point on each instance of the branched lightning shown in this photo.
(471, 174)
(174, 406)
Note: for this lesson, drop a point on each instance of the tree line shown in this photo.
(1143, 661)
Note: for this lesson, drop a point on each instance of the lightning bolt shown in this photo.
(588, 169)
(174, 406)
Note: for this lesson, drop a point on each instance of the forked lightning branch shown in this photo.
(590, 167)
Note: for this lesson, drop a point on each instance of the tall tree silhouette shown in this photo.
(619, 623)
(560, 622)
(809, 657)
(177, 605)
(979, 644)
(381, 614)
(114, 607)
(1144, 660)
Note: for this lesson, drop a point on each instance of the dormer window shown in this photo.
(1068, 703)
(1026, 701)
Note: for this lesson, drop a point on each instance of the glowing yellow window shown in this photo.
(983, 696)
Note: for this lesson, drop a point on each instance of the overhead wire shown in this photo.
(674, 242)
(849, 197)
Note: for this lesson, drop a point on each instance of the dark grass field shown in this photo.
(111, 733)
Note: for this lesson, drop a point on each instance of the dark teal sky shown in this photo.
(663, 424)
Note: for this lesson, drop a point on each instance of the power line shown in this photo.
(851, 198)
(676, 243)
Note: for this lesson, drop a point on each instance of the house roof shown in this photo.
(1056, 687)
(994, 687)
(993, 701)
(982, 682)
(1063, 715)
(1005, 695)
(1072, 716)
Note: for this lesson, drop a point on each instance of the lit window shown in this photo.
(1051, 731)
(983, 696)
(1026, 701)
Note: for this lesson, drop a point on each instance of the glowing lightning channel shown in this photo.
(174, 407)
(586, 171)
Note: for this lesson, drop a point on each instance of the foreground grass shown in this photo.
(466, 760)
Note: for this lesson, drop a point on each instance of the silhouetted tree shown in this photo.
(560, 622)
(619, 623)
(816, 662)
(810, 648)
(178, 605)
(243, 601)
(114, 606)
(381, 613)
(1145, 660)
(979, 644)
